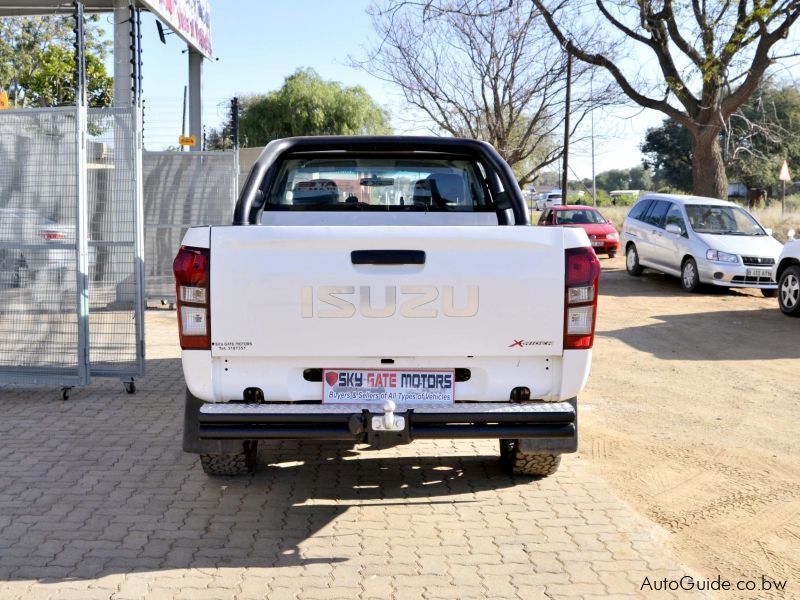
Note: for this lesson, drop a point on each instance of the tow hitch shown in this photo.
(388, 429)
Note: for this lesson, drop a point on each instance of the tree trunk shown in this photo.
(708, 168)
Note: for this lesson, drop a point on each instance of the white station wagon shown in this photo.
(702, 241)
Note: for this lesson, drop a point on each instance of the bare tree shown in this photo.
(710, 57)
(485, 69)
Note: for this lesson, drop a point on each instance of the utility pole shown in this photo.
(183, 120)
(564, 175)
(235, 122)
(594, 180)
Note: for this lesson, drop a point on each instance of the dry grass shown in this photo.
(772, 218)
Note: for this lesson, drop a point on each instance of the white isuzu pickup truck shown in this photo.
(381, 290)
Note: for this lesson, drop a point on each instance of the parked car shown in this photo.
(553, 199)
(18, 230)
(702, 241)
(787, 274)
(35, 248)
(602, 234)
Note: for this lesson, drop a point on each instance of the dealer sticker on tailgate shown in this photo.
(350, 386)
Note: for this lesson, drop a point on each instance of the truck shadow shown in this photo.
(100, 485)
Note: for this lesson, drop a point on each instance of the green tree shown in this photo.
(614, 179)
(764, 133)
(308, 105)
(37, 65)
(710, 57)
(640, 178)
(757, 139)
(668, 152)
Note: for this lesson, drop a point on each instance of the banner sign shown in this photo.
(354, 386)
(190, 19)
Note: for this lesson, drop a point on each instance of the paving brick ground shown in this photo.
(97, 500)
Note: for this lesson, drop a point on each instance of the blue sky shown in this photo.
(259, 43)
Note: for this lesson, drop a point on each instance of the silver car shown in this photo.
(702, 241)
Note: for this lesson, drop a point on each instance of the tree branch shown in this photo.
(601, 60)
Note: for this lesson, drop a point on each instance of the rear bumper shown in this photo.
(554, 425)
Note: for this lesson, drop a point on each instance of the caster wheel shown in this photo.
(130, 386)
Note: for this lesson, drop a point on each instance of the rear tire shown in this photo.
(789, 291)
(242, 463)
(632, 261)
(534, 464)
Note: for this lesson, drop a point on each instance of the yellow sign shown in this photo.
(3, 100)
(187, 140)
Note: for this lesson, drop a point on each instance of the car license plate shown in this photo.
(597, 243)
(360, 386)
(759, 273)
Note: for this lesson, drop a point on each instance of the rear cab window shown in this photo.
(394, 184)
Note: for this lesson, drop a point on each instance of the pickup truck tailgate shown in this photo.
(300, 291)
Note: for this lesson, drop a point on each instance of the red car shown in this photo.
(602, 234)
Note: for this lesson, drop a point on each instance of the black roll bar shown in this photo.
(510, 198)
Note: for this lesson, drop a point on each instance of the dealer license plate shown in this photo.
(359, 386)
(759, 273)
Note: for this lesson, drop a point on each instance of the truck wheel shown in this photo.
(632, 261)
(242, 463)
(518, 462)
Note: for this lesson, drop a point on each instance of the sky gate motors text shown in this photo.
(374, 379)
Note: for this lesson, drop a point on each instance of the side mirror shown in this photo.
(672, 228)
(791, 233)
(610, 222)
(768, 231)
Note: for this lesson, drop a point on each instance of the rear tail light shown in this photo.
(580, 297)
(192, 277)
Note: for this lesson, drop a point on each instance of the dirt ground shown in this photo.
(691, 414)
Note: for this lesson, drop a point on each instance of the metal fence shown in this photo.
(41, 326)
(70, 246)
(115, 290)
(182, 189)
